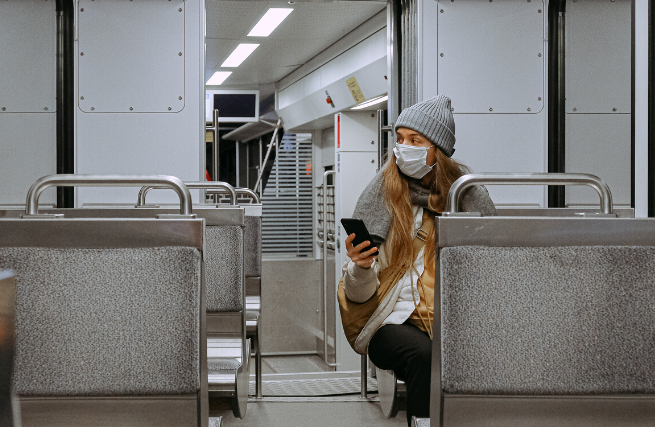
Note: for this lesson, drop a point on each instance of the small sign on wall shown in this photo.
(355, 90)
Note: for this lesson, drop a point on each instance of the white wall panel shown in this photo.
(504, 143)
(28, 67)
(144, 142)
(28, 151)
(495, 66)
(599, 144)
(598, 56)
(491, 55)
(112, 77)
(599, 96)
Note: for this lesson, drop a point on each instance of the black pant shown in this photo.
(407, 351)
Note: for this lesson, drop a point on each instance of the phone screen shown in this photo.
(357, 226)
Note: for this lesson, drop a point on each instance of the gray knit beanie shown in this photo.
(434, 120)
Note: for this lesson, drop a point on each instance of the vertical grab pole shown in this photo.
(216, 156)
(325, 278)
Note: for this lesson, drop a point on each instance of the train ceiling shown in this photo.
(308, 30)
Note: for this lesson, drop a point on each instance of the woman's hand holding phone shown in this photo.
(362, 259)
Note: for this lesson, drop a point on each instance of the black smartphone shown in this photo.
(357, 226)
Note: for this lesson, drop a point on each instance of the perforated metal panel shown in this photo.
(491, 55)
(131, 56)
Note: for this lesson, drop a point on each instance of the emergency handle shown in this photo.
(193, 185)
(466, 181)
(72, 180)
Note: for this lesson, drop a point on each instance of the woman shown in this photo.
(398, 208)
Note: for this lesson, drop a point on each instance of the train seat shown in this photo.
(108, 320)
(249, 200)
(228, 348)
(545, 320)
(9, 407)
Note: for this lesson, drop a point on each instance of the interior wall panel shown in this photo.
(599, 96)
(495, 77)
(599, 144)
(28, 140)
(150, 138)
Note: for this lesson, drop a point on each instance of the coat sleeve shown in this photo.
(360, 283)
(476, 199)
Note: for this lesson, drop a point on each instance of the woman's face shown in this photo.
(411, 137)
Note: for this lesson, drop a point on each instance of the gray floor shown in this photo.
(314, 414)
(347, 410)
(291, 364)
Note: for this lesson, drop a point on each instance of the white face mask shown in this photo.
(412, 161)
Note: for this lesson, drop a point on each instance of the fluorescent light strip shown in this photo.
(218, 78)
(373, 101)
(271, 19)
(239, 55)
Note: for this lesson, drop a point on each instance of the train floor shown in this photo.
(303, 391)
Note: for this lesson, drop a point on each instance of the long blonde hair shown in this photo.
(397, 200)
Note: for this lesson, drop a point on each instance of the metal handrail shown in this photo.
(241, 191)
(194, 185)
(268, 153)
(381, 130)
(72, 180)
(213, 128)
(325, 278)
(466, 181)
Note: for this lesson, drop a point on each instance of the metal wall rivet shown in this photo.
(372, 161)
(82, 10)
(81, 53)
(169, 108)
(529, 109)
(372, 142)
(45, 109)
(93, 108)
(491, 109)
(179, 54)
(81, 97)
(131, 108)
(613, 109)
(179, 97)
(575, 109)
(539, 10)
(179, 10)
(539, 55)
(4, 109)
(441, 54)
(441, 11)
(539, 99)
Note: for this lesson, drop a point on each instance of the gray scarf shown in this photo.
(373, 211)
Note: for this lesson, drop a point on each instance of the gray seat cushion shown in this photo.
(561, 320)
(105, 322)
(253, 246)
(222, 364)
(224, 268)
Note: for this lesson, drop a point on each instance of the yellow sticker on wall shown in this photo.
(355, 90)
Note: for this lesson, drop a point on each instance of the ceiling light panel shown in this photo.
(269, 22)
(218, 78)
(371, 102)
(239, 54)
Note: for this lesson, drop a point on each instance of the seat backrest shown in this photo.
(253, 245)
(9, 412)
(108, 308)
(224, 262)
(548, 320)
(83, 314)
